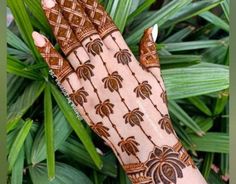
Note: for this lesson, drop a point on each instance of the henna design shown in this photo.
(105, 108)
(113, 82)
(135, 117)
(60, 67)
(148, 53)
(129, 146)
(95, 46)
(164, 165)
(149, 58)
(79, 22)
(85, 71)
(164, 97)
(61, 29)
(136, 173)
(79, 97)
(123, 56)
(100, 18)
(101, 130)
(166, 124)
(184, 156)
(143, 90)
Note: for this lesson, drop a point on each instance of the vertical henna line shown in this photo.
(108, 140)
(95, 90)
(139, 81)
(155, 106)
(156, 80)
(68, 81)
(114, 39)
(75, 53)
(123, 101)
(104, 64)
(148, 136)
(114, 126)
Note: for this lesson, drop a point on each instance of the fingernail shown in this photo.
(155, 32)
(39, 40)
(48, 3)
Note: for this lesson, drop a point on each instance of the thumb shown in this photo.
(148, 53)
(149, 58)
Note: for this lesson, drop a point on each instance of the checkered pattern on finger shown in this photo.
(56, 63)
(62, 31)
(77, 19)
(101, 20)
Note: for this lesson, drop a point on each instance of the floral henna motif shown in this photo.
(123, 56)
(166, 124)
(164, 97)
(79, 97)
(101, 130)
(129, 146)
(113, 82)
(134, 117)
(85, 71)
(95, 47)
(143, 90)
(104, 108)
(164, 165)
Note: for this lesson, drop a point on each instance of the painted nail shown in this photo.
(39, 40)
(155, 32)
(48, 3)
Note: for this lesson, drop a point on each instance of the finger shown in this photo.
(61, 69)
(148, 54)
(61, 29)
(104, 24)
(67, 39)
(82, 27)
(77, 18)
(149, 58)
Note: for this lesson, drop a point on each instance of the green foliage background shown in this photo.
(45, 140)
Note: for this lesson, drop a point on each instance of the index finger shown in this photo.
(104, 24)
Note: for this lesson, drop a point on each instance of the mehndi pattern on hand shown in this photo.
(123, 101)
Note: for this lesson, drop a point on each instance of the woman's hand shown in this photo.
(122, 100)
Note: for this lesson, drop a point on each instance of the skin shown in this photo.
(122, 100)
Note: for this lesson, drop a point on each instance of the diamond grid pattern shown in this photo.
(62, 31)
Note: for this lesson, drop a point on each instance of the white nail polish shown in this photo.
(39, 40)
(48, 3)
(155, 32)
